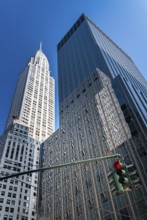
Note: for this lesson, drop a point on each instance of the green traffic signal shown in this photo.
(119, 185)
(114, 183)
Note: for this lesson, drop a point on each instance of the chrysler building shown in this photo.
(33, 102)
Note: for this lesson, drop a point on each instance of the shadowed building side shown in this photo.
(92, 125)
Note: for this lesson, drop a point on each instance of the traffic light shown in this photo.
(134, 180)
(114, 183)
(127, 175)
(123, 177)
(121, 172)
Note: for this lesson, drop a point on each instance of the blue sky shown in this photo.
(23, 24)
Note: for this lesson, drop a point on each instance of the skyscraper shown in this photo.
(30, 122)
(83, 49)
(33, 102)
(102, 99)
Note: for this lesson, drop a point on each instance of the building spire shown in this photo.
(41, 45)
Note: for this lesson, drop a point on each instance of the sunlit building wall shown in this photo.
(19, 152)
(33, 103)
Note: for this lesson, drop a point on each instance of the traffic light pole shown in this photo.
(61, 165)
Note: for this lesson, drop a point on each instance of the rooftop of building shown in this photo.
(80, 20)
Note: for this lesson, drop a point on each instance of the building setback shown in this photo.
(102, 101)
(30, 122)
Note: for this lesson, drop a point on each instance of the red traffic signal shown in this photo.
(117, 164)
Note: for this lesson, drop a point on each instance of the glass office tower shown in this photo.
(83, 49)
(102, 99)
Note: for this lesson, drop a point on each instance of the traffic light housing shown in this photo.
(123, 177)
(120, 170)
(114, 183)
(134, 180)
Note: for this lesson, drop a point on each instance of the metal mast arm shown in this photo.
(61, 165)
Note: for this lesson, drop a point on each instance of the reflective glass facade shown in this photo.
(84, 48)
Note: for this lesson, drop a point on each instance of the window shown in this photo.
(3, 193)
(10, 187)
(1, 200)
(13, 202)
(14, 195)
(4, 186)
(7, 209)
(8, 201)
(9, 194)
(5, 217)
